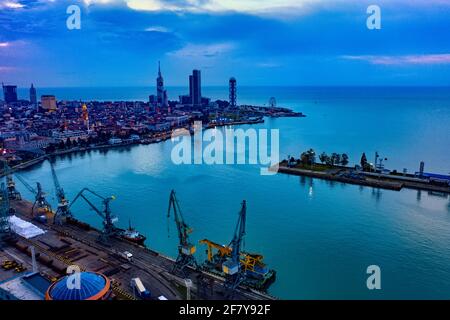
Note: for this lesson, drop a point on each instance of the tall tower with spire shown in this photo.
(160, 92)
(33, 99)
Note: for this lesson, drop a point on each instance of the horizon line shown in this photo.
(247, 86)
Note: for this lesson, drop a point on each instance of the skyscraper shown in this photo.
(9, 93)
(161, 94)
(233, 95)
(195, 88)
(33, 99)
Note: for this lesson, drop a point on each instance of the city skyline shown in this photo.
(224, 150)
(272, 43)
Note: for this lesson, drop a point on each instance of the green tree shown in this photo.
(304, 158)
(311, 156)
(344, 159)
(323, 157)
(363, 159)
(363, 162)
(308, 157)
(335, 158)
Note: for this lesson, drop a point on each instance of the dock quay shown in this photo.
(369, 179)
(64, 245)
(235, 123)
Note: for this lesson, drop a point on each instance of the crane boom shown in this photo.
(234, 273)
(13, 194)
(223, 251)
(92, 206)
(106, 215)
(26, 184)
(63, 204)
(186, 250)
(239, 233)
(183, 229)
(59, 190)
(4, 213)
(40, 202)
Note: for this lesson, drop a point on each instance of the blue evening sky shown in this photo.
(260, 42)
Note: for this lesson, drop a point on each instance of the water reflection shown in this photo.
(124, 149)
(361, 189)
(311, 188)
(331, 183)
(376, 194)
(302, 181)
(307, 182)
(438, 194)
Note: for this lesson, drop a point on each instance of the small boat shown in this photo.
(132, 235)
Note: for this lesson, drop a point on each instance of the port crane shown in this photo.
(249, 261)
(13, 194)
(222, 251)
(221, 259)
(186, 249)
(63, 204)
(40, 202)
(234, 273)
(5, 229)
(108, 219)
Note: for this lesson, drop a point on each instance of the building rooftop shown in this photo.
(93, 286)
(31, 286)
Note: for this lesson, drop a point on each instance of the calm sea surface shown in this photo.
(319, 236)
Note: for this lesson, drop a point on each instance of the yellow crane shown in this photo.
(248, 260)
(236, 265)
(223, 251)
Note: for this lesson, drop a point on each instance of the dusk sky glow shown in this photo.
(260, 42)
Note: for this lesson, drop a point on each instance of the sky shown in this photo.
(260, 42)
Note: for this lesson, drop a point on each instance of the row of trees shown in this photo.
(309, 158)
(334, 159)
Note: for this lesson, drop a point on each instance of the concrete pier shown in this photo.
(368, 179)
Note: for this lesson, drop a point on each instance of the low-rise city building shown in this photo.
(70, 134)
(48, 103)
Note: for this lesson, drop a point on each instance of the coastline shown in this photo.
(145, 141)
